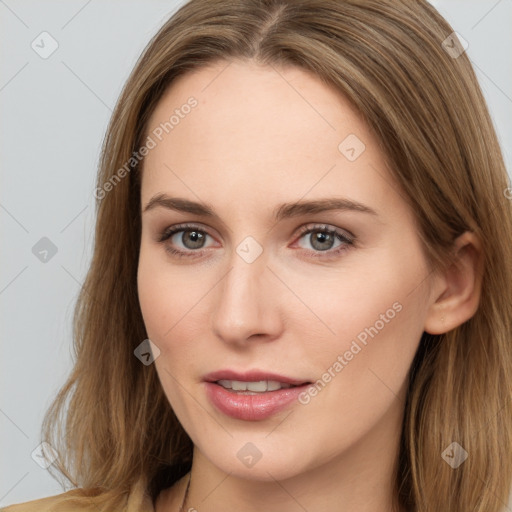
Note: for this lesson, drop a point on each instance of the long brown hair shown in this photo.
(423, 102)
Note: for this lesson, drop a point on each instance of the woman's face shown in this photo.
(299, 263)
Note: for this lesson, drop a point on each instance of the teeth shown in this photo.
(238, 385)
(272, 385)
(256, 387)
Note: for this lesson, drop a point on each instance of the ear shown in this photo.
(456, 293)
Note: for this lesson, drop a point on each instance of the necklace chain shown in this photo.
(186, 493)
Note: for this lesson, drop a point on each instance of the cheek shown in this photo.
(373, 314)
(164, 301)
(171, 298)
(158, 294)
(152, 297)
(362, 368)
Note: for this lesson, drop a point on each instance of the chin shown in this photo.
(255, 458)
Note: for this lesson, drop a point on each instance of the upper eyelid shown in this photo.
(176, 228)
(324, 227)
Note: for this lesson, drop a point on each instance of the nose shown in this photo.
(246, 303)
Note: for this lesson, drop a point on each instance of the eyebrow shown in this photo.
(283, 211)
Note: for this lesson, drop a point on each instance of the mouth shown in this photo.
(254, 395)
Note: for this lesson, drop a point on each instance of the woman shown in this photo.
(300, 294)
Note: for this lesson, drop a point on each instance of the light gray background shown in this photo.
(54, 113)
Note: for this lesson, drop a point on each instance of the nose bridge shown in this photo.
(244, 298)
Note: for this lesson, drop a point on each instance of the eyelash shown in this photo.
(348, 241)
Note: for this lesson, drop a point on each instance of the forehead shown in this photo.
(260, 133)
(247, 107)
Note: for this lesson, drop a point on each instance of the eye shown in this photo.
(322, 239)
(192, 238)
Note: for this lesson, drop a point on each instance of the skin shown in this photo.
(259, 137)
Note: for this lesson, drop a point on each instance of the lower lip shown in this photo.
(252, 407)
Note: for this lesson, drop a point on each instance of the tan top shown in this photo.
(76, 500)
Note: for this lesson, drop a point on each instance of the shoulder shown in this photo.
(80, 500)
(56, 503)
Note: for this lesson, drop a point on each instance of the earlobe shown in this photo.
(456, 296)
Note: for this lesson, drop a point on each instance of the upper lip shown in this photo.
(251, 376)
